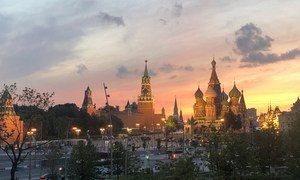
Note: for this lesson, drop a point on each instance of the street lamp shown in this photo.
(110, 126)
(102, 131)
(111, 130)
(129, 131)
(77, 131)
(137, 125)
(31, 136)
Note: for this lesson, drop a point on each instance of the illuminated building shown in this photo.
(211, 111)
(10, 122)
(271, 118)
(87, 105)
(142, 112)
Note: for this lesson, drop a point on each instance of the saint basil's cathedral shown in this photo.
(211, 110)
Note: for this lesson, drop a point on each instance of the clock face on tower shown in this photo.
(145, 91)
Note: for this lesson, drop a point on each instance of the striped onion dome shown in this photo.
(235, 92)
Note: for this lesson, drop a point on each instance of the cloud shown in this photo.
(163, 21)
(47, 39)
(187, 68)
(254, 47)
(168, 68)
(81, 69)
(5, 25)
(109, 19)
(152, 72)
(249, 39)
(227, 59)
(122, 72)
(173, 77)
(177, 10)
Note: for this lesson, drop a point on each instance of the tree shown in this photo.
(171, 124)
(53, 159)
(179, 169)
(231, 154)
(269, 146)
(119, 159)
(83, 161)
(292, 140)
(232, 121)
(12, 132)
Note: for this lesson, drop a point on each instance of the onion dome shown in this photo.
(211, 92)
(198, 93)
(224, 96)
(234, 92)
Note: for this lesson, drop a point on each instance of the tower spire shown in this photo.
(146, 74)
(214, 77)
(175, 111)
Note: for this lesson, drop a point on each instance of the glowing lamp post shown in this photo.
(129, 131)
(77, 131)
(102, 130)
(31, 134)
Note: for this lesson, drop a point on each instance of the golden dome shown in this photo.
(211, 92)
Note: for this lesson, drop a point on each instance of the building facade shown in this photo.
(270, 118)
(10, 122)
(287, 119)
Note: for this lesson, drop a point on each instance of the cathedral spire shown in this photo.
(214, 77)
(175, 111)
(180, 117)
(242, 102)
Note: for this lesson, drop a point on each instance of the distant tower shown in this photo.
(145, 99)
(243, 109)
(134, 107)
(180, 117)
(216, 85)
(234, 95)
(175, 110)
(128, 108)
(10, 123)
(243, 113)
(163, 112)
(87, 104)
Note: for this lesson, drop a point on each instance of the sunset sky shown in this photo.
(64, 46)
